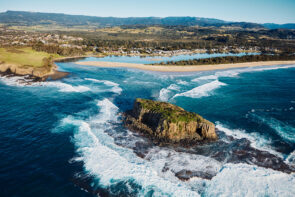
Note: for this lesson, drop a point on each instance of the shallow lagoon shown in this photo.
(158, 59)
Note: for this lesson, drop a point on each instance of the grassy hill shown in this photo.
(24, 56)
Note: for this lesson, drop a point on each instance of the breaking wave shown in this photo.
(15, 80)
(24, 81)
(287, 132)
(257, 141)
(106, 82)
(203, 90)
(181, 82)
(63, 87)
(115, 87)
(155, 173)
(236, 72)
(208, 77)
(165, 93)
(250, 181)
(111, 163)
(291, 159)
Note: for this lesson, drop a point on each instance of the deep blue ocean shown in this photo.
(65, 137)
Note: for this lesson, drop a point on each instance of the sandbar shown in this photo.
(188, 68)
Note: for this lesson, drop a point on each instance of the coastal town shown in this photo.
(18, 38)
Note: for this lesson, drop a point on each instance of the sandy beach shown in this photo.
(192, 68)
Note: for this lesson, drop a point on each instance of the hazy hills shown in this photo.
(22, 18)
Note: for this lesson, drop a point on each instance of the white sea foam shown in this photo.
(181, 82)
(173, 87)
(112, 163)
(249, 180)
(106, 82)
(287, 132)
(15, 81)
(177, 161)
(203, 90)
(257, 69)
(63, 87)
(257, 141)
(115, 87)
(208, 77)
(291, 159)
(165, 93)
(236, 72)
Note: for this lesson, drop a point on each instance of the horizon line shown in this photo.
(161, 17)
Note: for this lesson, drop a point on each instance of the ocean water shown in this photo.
(65, 137)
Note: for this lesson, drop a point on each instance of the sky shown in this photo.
(258, 11)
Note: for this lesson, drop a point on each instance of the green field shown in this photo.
(24, 56)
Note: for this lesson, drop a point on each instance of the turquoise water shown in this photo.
(65, 137)
(158, 59)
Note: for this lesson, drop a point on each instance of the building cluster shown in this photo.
(10, 37)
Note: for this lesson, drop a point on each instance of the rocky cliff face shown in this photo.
(37, 73)
(168, 123)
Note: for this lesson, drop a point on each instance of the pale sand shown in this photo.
(193, 68)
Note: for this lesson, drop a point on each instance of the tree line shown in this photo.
(232, 59)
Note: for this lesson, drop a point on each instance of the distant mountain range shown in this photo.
(22, 18)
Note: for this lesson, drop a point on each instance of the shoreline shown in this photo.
(190, 68)
(37, 74)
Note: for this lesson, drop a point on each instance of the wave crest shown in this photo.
(203, 90)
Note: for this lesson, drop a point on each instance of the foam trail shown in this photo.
(115, 87)
(203, 90)
(250, 181)
(106, 82)
(291, 159)
(236, 72)
(165, 92)
(257, 141)
(208, 77)
(63, 87)
(112, 163)
(181, 82)
(285, 131)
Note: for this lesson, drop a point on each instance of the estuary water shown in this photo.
(158, 59)
(65, 137)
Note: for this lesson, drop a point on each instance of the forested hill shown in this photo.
(35, 18)
(279, 26)
(22, 18)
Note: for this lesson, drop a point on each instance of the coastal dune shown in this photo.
(189, 68)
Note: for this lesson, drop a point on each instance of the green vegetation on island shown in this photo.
(168, 111)
(168, 123)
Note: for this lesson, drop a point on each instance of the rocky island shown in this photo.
(168, 123)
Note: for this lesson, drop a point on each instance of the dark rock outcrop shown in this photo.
(167, 123)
